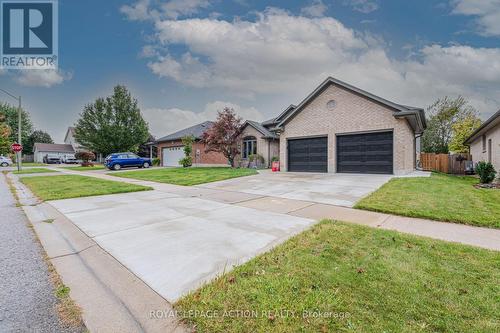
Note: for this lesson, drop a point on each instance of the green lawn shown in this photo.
(441, 197)
(33, 170)
(73, 186)
(186, 176)
(82, 168)
(338, 277)
(32, 164)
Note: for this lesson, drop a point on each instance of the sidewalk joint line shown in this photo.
(70, 254)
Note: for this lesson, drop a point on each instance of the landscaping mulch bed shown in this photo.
(492, 185)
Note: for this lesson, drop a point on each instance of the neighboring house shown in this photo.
(171, 149)
(69, 139)
(484, 142)
(42, 149)
(257, 139)
(341, 128)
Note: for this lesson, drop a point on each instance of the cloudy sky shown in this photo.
(185, 59)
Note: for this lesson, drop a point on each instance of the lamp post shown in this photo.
(19, 138)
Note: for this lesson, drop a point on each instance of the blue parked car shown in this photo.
(126, 160)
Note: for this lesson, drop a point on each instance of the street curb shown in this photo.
(112, 298)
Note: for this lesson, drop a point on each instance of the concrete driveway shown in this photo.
(333, 188)
(175, 242)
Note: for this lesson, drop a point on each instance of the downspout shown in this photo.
(415, 151)
(268, 153)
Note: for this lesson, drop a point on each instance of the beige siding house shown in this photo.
(484, 143)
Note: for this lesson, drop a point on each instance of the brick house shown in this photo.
(336, 128)
(257, 138)
(339, 128)
(171, 149)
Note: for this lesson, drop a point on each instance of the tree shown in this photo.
(143, 150)
(442, 115)
(5, 132)
(187, 160)
(461, 130)
(37, 136)
(112, 124)
(11, 119)
(86, 157)
(221, 136)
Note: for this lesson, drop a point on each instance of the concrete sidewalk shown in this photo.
(111, 297)
(477, 236)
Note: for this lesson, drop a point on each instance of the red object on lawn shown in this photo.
(275, 166)
(16, 147)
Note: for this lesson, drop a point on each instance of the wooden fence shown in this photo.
(447, 163)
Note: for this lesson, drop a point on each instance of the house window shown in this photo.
(484, 142)
(249, 146)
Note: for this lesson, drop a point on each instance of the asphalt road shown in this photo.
(27, 301)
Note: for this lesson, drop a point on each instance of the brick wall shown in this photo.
(352, 113)
(211, 158)
(266, 148)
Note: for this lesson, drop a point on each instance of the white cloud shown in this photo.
(283, 55)
(143, 10)
(139, 11)
(176, 8)
(487, 13)
(316, 9)
(41, 77)
(363, 6)
(165, 121)
(265, 56)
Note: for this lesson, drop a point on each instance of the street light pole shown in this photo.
(19, 137)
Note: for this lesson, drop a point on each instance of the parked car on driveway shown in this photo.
(69, 159)
(126, 160)
(5, 161)
(52, 159)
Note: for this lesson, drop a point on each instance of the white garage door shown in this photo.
(171, 156)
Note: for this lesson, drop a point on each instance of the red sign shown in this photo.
(16, 147)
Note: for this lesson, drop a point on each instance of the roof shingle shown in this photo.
(53, 147)
(196, 131)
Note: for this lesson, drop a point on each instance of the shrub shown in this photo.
(486, 172)
(187, 161)
(156, 161)
(275, 159)
(256, 158)
(86, 157)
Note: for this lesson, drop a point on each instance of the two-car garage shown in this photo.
(355, 153)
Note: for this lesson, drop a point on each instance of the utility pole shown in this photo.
(19, 122)
(19, 136)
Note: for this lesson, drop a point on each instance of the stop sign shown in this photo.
(16, 147)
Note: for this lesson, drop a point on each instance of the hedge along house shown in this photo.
(256, 139)
(171, 150)
(341, 128)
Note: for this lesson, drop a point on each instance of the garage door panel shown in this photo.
(365, 153)
(308, 155)
(172, 155)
